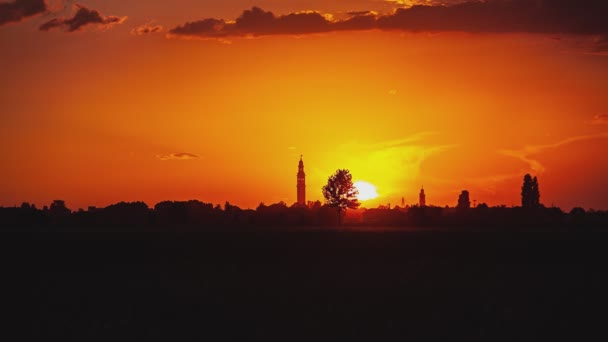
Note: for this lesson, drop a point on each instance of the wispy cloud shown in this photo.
(178, 156)
(20, 9)
(403, 141)
(526, 153)
(147, 29)
(410, 3)
(82, 17)
(392, 163)
(600, 119)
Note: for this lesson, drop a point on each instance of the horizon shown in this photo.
(308, 204)
(107, 101)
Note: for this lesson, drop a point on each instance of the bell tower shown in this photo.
(422, 201)
(301, 184)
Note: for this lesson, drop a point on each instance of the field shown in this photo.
(306, 285)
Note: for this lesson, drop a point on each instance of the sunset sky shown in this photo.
(108, 101)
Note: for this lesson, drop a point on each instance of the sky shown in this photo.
(108, 101)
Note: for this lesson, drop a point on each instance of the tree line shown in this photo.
(340, 207)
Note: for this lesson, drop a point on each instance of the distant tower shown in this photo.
(422, 198)
(301, 183)
(402, 202)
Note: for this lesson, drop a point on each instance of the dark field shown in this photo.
(306, 286)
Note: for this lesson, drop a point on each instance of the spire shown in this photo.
(301, 184)
(422, 197)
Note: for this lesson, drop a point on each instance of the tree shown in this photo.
(340, 192)
(482, 206)
(535, 193)
(463, 200)
(530, 195)
(58, 209)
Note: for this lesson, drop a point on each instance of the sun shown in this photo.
(366, 190)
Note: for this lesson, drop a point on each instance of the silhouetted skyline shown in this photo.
(341, 205)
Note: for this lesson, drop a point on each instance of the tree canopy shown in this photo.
(530, 195)
(463, 200)
(340, 192)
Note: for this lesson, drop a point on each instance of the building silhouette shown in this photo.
(422, 201)
(301, 184)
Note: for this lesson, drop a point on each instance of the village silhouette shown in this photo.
(341, 208)
(186, 270)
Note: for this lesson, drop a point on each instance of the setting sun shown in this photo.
(366, 190)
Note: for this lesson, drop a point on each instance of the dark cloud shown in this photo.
(20, 9)
(178, 156)
(359, 13)
(586, 17)
(532, 16)
(202, 28)
(82, 17)
(256, 22)
(358, 21)
(146, 29)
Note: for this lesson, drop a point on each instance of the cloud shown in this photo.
(530, 16)
(407, 141)
(583, 17)
(82, 17)
(146, 29)
(410, 3)
(601, 45)
(255, 22)
(178, 156)
(525, 154)
(600, 119)
(360, 13)
(20, 9)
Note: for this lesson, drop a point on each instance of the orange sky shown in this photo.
(93, 116)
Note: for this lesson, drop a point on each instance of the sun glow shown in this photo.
(366, 190)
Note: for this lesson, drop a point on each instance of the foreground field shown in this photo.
(306, 285)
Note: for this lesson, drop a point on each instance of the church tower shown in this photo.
(301, 184)
(422, 198)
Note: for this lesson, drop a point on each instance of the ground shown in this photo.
(305, 285)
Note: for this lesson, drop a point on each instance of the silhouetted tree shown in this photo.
(526, 192)
(530, 195)
(123, 213)
(340, 192)
(315, 204)
(463, 200)
(535, 193)
(272, 214)
(58, 209)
